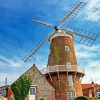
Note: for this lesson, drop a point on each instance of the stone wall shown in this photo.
(44, 89)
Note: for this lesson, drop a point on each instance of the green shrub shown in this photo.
(21, 87)
(82, 98)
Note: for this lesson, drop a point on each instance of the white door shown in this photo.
(32, 93)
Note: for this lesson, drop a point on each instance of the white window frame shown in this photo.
(70, 80)
(98, 93)
(32, 92)
(71, 95)
(0, 94)
(66, 48)
(69, 65)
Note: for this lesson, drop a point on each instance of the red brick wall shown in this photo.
(10, 95)
(59, 84)
(63, 56)
(77, 85)
(58, 56)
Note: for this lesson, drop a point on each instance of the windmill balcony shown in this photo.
(63, 68)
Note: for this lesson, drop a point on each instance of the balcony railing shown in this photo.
(63, 68)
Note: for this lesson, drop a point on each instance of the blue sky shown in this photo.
(19, 36)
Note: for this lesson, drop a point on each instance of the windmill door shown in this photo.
(32, 93)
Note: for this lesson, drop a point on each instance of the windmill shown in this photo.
(62, 70)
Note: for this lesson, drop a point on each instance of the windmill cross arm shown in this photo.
(83, 36)
(72, 12)
(87, 38)
(43, 23)
(36, 49)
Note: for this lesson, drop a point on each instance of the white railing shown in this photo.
(63, 68)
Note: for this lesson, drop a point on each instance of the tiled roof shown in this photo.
(85, 86)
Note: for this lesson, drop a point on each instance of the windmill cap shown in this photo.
(61, 33)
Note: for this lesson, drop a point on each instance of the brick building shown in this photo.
(40, 88)
(62, 71)
(91, 90)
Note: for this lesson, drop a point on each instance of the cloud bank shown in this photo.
(88, 58)
(92, 11)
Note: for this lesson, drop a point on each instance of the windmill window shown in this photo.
(70, 80)
(66, 48)
(71, 95)
(69, 65)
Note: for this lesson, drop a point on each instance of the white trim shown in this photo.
(71, 95)
(70, 80)
(98, 94)
(69, 65)
(32, 90)
(32, 93)
(60, 33)
(60, 68)
(66, 48)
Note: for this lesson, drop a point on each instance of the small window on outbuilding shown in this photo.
(0, 94)
(98, 94)
(66, 48)
(32, 90)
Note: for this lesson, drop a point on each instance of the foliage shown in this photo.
(57, 52)
(21, 87)
(82, 98)
(93, 99)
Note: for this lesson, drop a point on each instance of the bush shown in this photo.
(21, 87)
(82, 98)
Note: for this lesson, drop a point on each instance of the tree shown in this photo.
(21, 87)
(82, 98)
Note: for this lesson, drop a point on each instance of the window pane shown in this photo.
(70, 80)
(66, 48)
(68, 65)
(71, 95)
(32, 90)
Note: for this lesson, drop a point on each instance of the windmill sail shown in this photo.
(83, 36)
(43, 23)
(72, 12)
(36, 49)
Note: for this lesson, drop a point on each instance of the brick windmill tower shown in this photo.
(64, 73)
(62, 70)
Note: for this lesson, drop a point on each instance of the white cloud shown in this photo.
(88, 58)
(92, 74)
(87, 52)
(92, 10)
(11, 77)
(15, 62)
(85, 55)
(93, 64)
